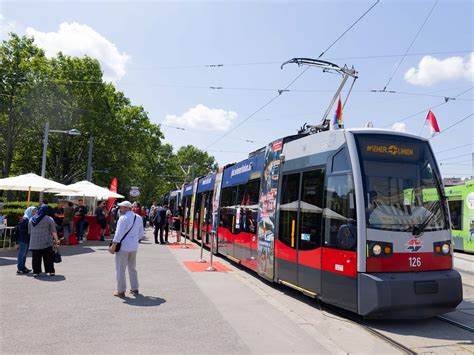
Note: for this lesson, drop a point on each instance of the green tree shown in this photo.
(69, 92)
(188, 158)
(22, 65)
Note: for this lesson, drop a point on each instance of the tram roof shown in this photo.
(383, 131)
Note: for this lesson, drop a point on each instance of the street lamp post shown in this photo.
(71, 132)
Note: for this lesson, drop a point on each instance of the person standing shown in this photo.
(68, 221)
(129, 232)
(144, 216)
(178, 221)
(24, 240)
(136, 208)
(169, 222)
(42, 233)
(81, 211)
(159, 222)
(101, 216)
(113, 218)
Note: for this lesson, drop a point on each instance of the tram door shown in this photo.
(300, 222)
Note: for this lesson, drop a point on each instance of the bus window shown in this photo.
(455, 210)
(340, 213)
(289, 209)
(311, 209)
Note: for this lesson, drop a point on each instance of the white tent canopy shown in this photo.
(88, 189)
(33, 182)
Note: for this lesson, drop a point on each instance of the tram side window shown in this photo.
(197, 207)
(289, 209)
(249, 207)
(311, 209)
(340, 214)
(227, 210)
(208, 207)
(455, 210)
(340, 162)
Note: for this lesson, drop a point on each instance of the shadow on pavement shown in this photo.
(5, 262)
(55, 278)
(75, 250)
(144, 301)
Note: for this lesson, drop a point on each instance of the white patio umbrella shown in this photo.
(32, 182)
(88, 189)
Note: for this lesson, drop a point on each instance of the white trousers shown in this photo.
(126, 259)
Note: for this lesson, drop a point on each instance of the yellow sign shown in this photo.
(391, 149)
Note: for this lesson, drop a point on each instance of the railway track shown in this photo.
(359, 321)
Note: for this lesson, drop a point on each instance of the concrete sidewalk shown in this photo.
(178, 311)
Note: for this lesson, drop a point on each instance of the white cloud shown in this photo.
(431, 71)
(399, 127)
(203, 117)
(7, 26)
(77, 40)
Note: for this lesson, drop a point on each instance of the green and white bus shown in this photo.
(461, 209)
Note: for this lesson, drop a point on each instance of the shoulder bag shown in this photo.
(119, 244)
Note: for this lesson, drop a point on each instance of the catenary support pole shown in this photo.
(89, 160)
(45, 151)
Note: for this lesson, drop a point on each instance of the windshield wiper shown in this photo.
(419, 229)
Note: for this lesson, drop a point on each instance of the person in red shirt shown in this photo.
(144, 216)
(136, 208)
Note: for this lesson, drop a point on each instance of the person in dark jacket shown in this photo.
(81, 211)
(24, 240)
(101, 216)
(159, 221)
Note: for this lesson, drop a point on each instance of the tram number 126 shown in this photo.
(415, 261)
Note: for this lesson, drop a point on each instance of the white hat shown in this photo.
(125, 204)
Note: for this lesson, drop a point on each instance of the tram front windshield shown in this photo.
(401, 184)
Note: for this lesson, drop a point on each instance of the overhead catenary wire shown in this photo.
(453, 148)
(208, 133)
(456, 157)
(454, 124)
(292, 82)
(429, 108)
(224, 65)
(411, 44)
(348, 29)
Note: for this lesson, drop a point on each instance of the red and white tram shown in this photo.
(342, 215)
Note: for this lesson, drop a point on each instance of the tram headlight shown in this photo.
(446, 248)
(376, 250)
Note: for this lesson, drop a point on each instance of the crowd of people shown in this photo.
(42, 228)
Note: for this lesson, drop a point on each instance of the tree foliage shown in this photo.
(69, 92)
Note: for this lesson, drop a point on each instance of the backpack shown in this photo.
(16, 231)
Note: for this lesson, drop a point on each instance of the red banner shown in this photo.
(113, 188)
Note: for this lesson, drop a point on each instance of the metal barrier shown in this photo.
(201, 259)
(6, 236)
(211, 267)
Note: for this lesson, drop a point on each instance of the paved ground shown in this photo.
(178, 311)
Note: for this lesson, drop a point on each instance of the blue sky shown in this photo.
(154, 53)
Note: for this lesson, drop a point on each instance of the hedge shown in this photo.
(13, 215)
(24, 204)
(15, 210)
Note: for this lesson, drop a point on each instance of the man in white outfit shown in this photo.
(129, 231)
